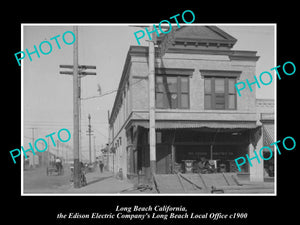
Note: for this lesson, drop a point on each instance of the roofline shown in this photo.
(133, 50)
(222, 33)
(228, 39)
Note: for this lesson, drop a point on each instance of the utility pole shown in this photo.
(89, 133)
(168, 40)
(48, 153)
(152, 135)
(78, 71)
(94, 149)
(108, 162)
(57, 148)
(165, 44)
(76, 103)
(33, 163)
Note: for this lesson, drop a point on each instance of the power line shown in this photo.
(58, 122)
(42, 125)
(100, 133)
(111, 91)
(90, 134)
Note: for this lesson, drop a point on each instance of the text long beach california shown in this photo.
(158, 208)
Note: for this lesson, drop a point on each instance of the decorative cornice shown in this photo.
(174, 71)
(233, 55)
(225, 73)
(206, 36)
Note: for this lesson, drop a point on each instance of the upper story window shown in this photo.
(172, 88)
(172, 92)
(219, 93)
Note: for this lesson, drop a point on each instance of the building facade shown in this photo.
(198, 114)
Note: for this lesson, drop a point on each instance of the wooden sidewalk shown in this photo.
(216, 183)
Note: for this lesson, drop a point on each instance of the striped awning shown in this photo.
(268, 134)
(170, 124)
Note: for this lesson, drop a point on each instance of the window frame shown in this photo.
(213, 95)
(167, 102)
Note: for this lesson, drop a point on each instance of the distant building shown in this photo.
(198, 113)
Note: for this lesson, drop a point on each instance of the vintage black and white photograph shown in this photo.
(138, 109)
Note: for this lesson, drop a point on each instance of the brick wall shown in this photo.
(246, 104)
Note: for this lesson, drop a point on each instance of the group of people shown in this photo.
(206, 166)
(83, 169)
(202, 165)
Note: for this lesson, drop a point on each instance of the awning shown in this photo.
(268, 133)
(183, 124)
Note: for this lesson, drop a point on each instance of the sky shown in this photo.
(48, 95)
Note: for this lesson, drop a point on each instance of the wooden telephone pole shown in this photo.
(77, 72)
(76, 102)
(164, 45)
(152, 135)
(89, 133)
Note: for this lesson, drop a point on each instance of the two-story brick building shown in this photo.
(198, 113)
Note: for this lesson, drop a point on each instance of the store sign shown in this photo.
(196, 154)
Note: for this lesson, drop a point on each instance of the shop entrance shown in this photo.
(219, 158)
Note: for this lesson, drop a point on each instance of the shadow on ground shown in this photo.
(99, 179)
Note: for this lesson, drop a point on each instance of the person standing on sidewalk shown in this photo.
(58, 165)
(101, 165)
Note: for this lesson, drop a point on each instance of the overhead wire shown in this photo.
(111, 91)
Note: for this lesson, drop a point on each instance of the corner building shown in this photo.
(198, 113)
